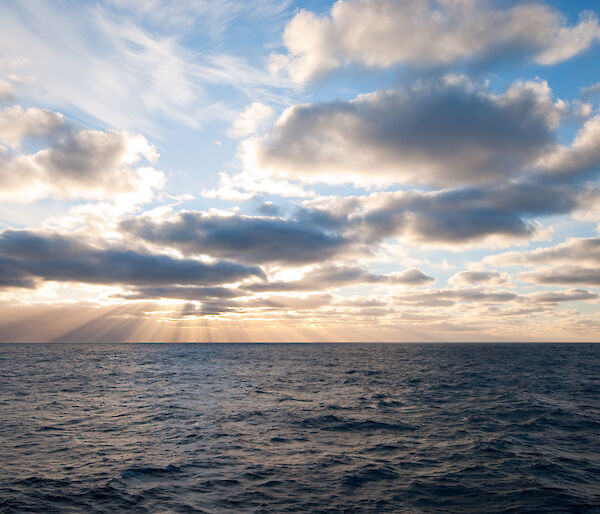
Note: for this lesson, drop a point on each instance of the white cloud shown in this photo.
(441, 133)
(582, 155)
(244, 186)
(383, 33)
(251, 120)
(88, 164)
(490, 278)
(17, 124)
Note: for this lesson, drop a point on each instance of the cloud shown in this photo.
(242, 238)
(251, 120)
(591, 92)
(453, 217)
(355, 226)
(575, 261)
(6, 91)
(128, 66)
(17, 124)
(480, 296)
(576, 250)
(28, 256)
(335, 276)
(89, 164)
(384, 33)
(491, 278)
(244, 186)
(448, 297)
(439, 133)
(572, 295)
(184, 293)
(565, 275)
(583, 154)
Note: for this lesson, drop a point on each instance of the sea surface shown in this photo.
(300, 428)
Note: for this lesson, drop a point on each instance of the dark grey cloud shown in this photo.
(27, 256)
(269, 209)
(242, 238)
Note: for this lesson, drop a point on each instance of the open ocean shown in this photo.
(300, 428)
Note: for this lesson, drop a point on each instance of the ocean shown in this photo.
(300, 428)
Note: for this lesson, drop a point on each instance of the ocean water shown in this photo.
(300, 428)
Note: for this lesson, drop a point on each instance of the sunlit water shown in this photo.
(285, 428)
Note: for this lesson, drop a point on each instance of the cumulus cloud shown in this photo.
(78, 163)
(355, 226)
(491, 278)
(244, 238)
(28, 256)
(454, 217)
(440, 133)
(251, 120)
(583, 154)
(384, 33)
(17, 124)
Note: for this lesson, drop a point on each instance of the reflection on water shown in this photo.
(271, 428)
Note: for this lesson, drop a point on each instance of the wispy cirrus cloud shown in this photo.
(126, 65)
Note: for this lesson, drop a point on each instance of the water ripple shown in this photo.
(300, 428)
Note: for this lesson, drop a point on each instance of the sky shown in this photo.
(361, 170)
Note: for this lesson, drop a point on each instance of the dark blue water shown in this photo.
(300, 428)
